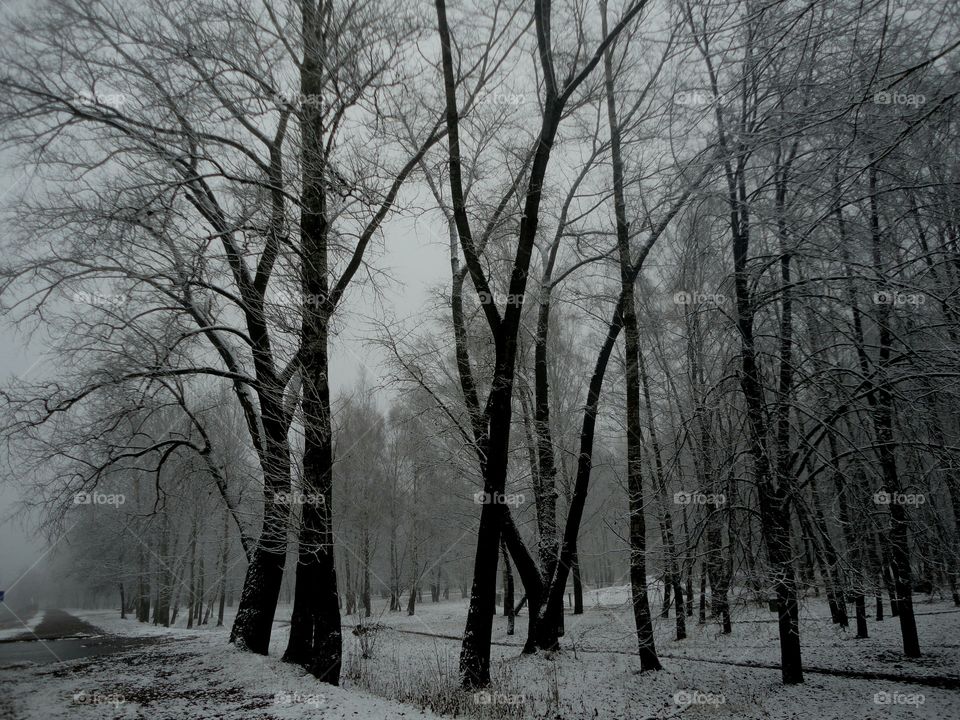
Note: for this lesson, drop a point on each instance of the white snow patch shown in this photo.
(26, 630)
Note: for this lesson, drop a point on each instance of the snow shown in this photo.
(29, 625)
(597, 673)
(111, 623)
(184, 675)
(410, 671)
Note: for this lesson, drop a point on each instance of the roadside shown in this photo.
(184, 675)
(59, 637)
(19, 623)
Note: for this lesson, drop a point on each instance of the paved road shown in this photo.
(13, 620)
(61, 636)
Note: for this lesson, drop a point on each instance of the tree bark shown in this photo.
(883, 424)
(638, 543)
(508, 608)
(315, 636)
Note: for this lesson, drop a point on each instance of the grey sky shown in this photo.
(415, 256)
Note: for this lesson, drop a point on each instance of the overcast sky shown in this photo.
(416, 257)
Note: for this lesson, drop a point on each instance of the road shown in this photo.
(61, 636)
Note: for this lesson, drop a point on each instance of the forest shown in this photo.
(504, 359)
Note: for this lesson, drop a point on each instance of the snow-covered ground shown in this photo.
(597, 674)
(184, 675)
(23, 627)
(110, 622)
(406, 667)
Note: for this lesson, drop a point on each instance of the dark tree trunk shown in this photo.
(667, 595)
(702, 617)
(771, 481)
(161, 609)
(492, 429)
(577, 589)
(414, 573)
(829, 562)
(224, 556)
(861, 611)
(688, 560)
(261, 586)
(529, 576)
(635, 501)
(671, 580)
(887, 575)
(143, 587)
(508, 609)
(192, 598)
(315, 635)
(394, 571)
(365, 592)
(883, 424)
(681, 622)
(412, 600)
(351, 600)
(201, 588)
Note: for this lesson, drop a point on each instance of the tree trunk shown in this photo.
(143, 587)
(508, 609)
(702, 618)
(365, 592)
(253, 623)
(672, 575)
(224, 556)
(414, 574)
(161, 609)
(201, 587)
(638, 543)
(394, 570)
(315, 635)
(192, 599)
(883, 424)
(577, 587)
(861, 612)
(351, 601)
